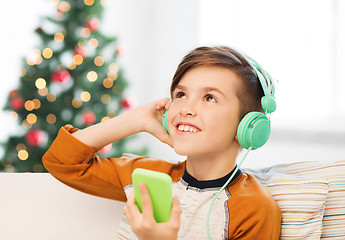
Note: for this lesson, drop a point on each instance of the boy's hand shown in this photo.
(144, 225)
(151, 116)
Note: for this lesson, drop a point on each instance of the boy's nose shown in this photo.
(188, 110)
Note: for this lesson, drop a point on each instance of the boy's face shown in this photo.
(204, 115)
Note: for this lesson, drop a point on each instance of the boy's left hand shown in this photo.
(144, 225)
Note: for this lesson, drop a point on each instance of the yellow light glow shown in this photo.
(105, 119)
(112, 75)
(78, 59)
(114, 67)
(20, 146)
(37, 103)
(47, 53)
(39, 60)
(51, 118)
(117, 89)
(29, 105)
(106, 98)
(71, 66)
(92, 76)
(14, 115)
(40, 83)
(107, 83)
(77, 103)
(51, 97)
(85, 96)
(43, 92)
(80, 44)
(23, 155)
(64, 6)
(59, 37)
(89, 2)
(93, 43)
(55, 2)
(26, 124)
(85, 32)
(30, 62)
(31, 118)
(99, 61)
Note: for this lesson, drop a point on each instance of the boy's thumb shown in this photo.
(175, 211)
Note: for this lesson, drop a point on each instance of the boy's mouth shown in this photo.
(187, 128)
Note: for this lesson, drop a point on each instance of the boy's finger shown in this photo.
(168, 104)
(175, 212)
(146, 201)
(161, 103)
(131, 210)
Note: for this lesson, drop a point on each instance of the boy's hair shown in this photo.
(249, 94)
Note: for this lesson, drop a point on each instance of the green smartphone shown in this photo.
(159, 186)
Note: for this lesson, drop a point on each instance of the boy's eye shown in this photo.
(210, 98)
(180, 95)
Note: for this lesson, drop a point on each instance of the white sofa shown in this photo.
(36, 206)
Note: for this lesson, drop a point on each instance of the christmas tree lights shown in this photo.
(70, 79)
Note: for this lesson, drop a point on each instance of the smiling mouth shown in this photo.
(188, 128)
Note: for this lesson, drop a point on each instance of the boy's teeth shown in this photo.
(186, 128)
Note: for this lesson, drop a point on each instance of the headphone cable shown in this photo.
(220, 190)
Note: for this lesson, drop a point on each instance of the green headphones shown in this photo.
(255, 127)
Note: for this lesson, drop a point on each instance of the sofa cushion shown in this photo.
(301, 200)
(334, 216)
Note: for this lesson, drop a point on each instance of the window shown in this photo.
(300, 43)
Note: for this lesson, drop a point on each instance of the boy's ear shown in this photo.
(236, 138)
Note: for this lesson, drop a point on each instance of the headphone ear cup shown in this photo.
(253, 130)
(165, 121)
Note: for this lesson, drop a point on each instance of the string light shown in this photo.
(43, 92)
(37, 103)
(34, 58)
(114, 67)
(106, 98)
(20, 146)
(47, 53)
(117, 89)
(31, 118)
(26, 124)
(99, 61)
(112, 75)
(85, 96)
(29, 105)
(89, 2)
(92, 76)
(93, 43)
(59, 37)
(51, 118)
(105, 119)
(78, 59)
(107, 83)
(51, 97)
(77, 103)
(71, 66)
(85, 32)
(64, 6)
(40, 83)
(14, 115)
(23, 155)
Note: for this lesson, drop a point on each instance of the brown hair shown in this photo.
(249, 94)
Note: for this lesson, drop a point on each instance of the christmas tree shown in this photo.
(72, 78)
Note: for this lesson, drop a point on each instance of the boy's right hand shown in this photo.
(151, 115)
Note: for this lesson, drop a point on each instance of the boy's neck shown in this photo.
(210, 167)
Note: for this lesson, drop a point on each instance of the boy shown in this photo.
(212, 89)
